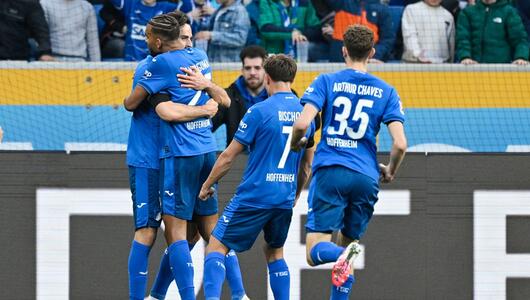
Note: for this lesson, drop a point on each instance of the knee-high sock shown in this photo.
(342, 292)
(214, 275)
(233, 275)
(182, 268)
(164, 277)
(138, 258)
(279, 279)
(325, 252)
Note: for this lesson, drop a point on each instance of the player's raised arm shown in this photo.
(399, 147)
(301, 125)
(135, 98)
(176, 112)
(222, 166)
(194, 79)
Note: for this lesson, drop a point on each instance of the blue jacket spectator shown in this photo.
(370, 13)
(137, 13)
(228, 31)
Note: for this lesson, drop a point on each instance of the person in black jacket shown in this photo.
(20, 20)
(246, 91)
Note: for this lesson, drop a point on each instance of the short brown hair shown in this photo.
(359, 41)
(280, 67)
(181, 17)
(253, 51)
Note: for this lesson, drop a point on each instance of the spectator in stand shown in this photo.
(254, 35)
(246, 91)
(112, 38)
(428, 33)
(491, 31)
(285, 23)
(20, 20)
(201, 15)
(137, 13)
(370, 13)
(228, 32)
(73, 30)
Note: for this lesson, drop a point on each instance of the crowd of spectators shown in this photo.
(413, 31)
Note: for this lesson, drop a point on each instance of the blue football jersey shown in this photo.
(269, 180)
(136, 16)
(142, 146)
(185, 138)
(353, 106)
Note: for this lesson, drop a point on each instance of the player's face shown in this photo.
(253, 72)
(186, 35)
(154, 44)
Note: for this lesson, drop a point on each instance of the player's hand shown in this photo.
(211, 108)
(206, 192)
(193, 79)
(520, 62)
(385, 176)
(300, 145)
(468, 61)
(1, 134)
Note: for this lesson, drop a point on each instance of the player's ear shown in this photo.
(158, 43)
(344, 52)
(372, 53)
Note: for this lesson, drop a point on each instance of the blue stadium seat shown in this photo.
(101, 23)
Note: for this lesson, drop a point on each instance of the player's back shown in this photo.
(269, 179)
(353, 105)
(142, 146)
(183, 138)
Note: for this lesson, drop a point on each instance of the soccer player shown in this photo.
(199, 224)
(188, 149)
(344, 186)
(272, 182)
(143, 162)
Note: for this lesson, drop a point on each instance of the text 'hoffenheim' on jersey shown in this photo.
(143, 147)
(353, 105)
(136, 16)
(184, 138)
(269, 180)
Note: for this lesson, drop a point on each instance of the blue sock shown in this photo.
(279, 279)
(342, 292)
(182, 268)
(163, 279)
(325, 252)
(233, 275)
(138, 258)
(214, 275)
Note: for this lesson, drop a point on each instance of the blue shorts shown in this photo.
(181, 184)
(341, 199)
(239, 226)
(145, 198)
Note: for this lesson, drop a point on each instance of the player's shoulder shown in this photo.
(378, 82)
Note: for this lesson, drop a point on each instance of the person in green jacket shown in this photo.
(491, 31)
(284, 23)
